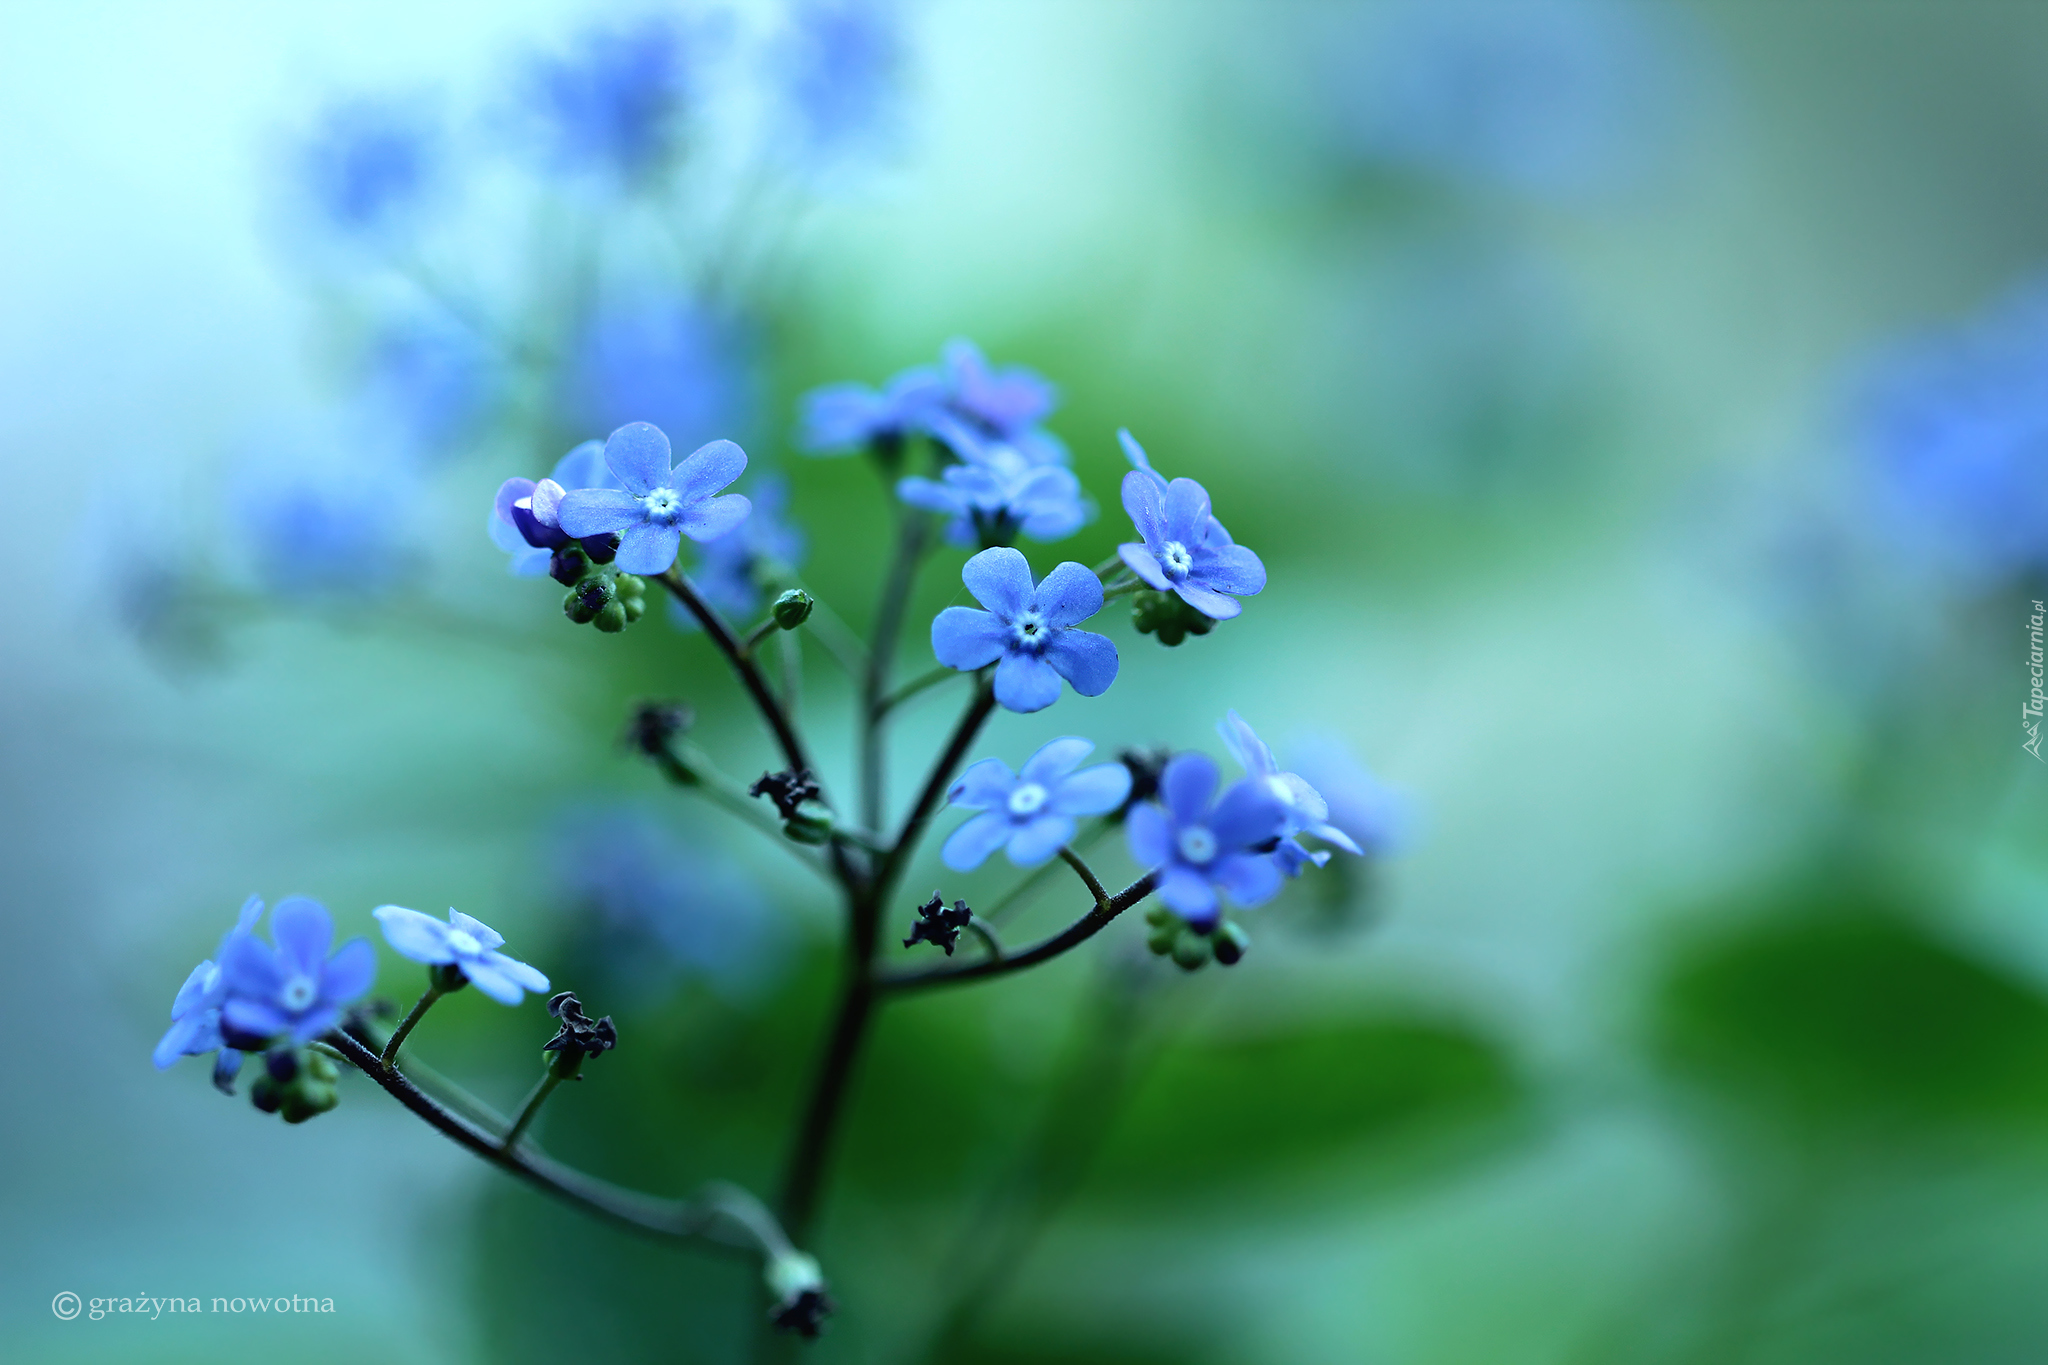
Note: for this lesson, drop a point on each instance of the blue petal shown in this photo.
(1247, 878)
(1245, 745)
(1135, 453)
(646, 548)
(985, 785)
(600, 512)
(1186, 785)
(314, 1022)
(1185, 517)
(1213, 605)
(192, 994)
(1092, 791)
(1025, 682)
(520, 974)
(967, 639)
(303, 931)
(484, 934)
(931, 495)
(716, 517)
(412, 934)
(1248, 814)
(1040, 839)
(583, 467)
(1070, 594)
(1229, 568)
(509, 492)
(1188, 894)
(1144, 564)
(707, 469)
(638, 454)
(258, 1017)
(485, 976)
(969, 846)
(1085, 659)
(177, 1042)
(249, 967)
(1055, 760)
(1149, 835)
(1000, 580)
(349, 972)
(1143, 500)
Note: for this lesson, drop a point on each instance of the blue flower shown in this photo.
(1954, 427)
(366, 163)
(432, 380)
(525, 518)
(1186, 549)
(1032, 812)
(657, 505)
(613, 101)
(1198, 850)
(839, 418)
(294, 989)
(195, 1014)
(1307, 812)
(1003, 403)
(997, 491)
(1027, 631)
(686, 368)
(1378, 817)
(838, 66)
(730, 569)
(464, 942)
(320, 517)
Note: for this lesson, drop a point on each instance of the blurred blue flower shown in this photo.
(992, 405)
(1953, 427)
(1030, 813)
(195, 1013)
(684, 369)
(432, 379)
(1377, 817)
(612, 101)
(657, 505)
(997, 491)
(840, 418)
(1181, 550)
(325, 511)
(464, 942)
(837, 65)
(530, 533)
(294, 988)
(1307, 812)
(1003, 403)
(1558, 98)
(1198, 850)
(730, 568)
(649, 888)
(1027, 630)
(367, 162)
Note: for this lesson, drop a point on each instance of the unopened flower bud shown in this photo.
(792, 609)
(568, 565)
(589, 597)
(1229, 943)
(612, 619)
(1190, 952)
(801, 1303)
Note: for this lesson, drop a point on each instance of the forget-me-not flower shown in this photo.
(525, 518)
(195, 1014)
(464, 942)
(1004, 403)
(1027, 631)
(1031, 813)
(1135, 453)
(838, 63)
(656, 504)
(1307, 811)
(295, 988)
(1199, 850)
(839, 418)
(366, 162)
(1181, 551)
(998, 491)
(687, 368)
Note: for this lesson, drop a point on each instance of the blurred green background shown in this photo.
(1701, 1014)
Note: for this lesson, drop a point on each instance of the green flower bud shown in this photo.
(612, 619)
(792, 609)
(1229, 943)
(445, 977)
(636, 607)
(1164, 615)
(589, 597)
(1162, 939)
(810, 824)
(1191, 952)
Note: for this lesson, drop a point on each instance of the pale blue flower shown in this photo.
(463, 942)
(1027, 631)
(195, 1013)
(1182, 551)
(525, 516)
(1307, 812)
(295, 989)
(657, 505)
(996, 492)
(1031, 814)
(1203, 852)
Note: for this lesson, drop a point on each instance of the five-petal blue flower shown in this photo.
(997, 491)
(195, 1014)
(657, 505)
(1199, 850)
(1183, 551)
(1031, 812)
(295, 988)
(1307, 811)
(464, 942)
(1027, 630)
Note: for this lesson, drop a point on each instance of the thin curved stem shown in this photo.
(1010, 900)
(917, 685)
(405, 1025)
(723, 1215)
(535, 1098)
(690, 768)
(1086, 874)
(979, 706)
(911, 540)
(786, 737)
(1075, 934)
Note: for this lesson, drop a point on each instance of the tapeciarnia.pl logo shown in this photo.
(2030, 713)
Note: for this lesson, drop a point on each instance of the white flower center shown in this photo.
(1027, 799)
(1197, 844)
(299, 993)
(462, 943)
(663, 504)
(1175, 559)
(1031, 631)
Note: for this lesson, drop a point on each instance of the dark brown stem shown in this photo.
(1079, 932)
(791, 743)
(979, 706)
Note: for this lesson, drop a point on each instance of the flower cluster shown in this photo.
(963, 393)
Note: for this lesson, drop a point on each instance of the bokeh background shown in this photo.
(1642, 410)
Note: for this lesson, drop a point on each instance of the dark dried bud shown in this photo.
(601, 549)
(655, 723)
(787, 790)
(1229, 943)
(579, 1032)
(803, 1313)
(1145, 766)
(938, 924)
(282, 1064)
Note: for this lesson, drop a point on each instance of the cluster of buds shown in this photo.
(1165, 617)
(604, 597)
(1191, 947)
(297, 1083)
